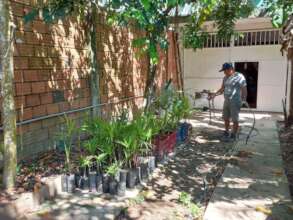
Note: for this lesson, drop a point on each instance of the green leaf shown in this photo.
(171, 3)
(115, 4)
(153, 52)
(101, 157)
(146, 4)
(164, 44)
(139, 42)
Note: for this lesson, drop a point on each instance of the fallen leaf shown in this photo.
(263, 210)
(243, 153)
(290, 207)
(148, 194)
(45, 215)
(278, 172)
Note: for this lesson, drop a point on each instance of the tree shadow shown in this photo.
(199, 159)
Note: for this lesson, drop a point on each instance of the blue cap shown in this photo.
(226, 66)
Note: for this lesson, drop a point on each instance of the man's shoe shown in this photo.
(233, 136)
(225, 136)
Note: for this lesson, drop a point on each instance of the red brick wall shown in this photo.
(50, 66)
(52, 73)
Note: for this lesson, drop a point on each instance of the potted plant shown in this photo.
(181, 110)
(112, 172)
(164, 141)
(121, 189)
(81, 176)
(145, 130)
(66, 135)
(149, 126)
(101, 148)
(130, 150)
(93, 162)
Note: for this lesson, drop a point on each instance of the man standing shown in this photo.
(235, 94)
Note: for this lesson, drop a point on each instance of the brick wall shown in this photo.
(52, 73)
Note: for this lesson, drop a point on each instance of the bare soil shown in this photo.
(31, 171)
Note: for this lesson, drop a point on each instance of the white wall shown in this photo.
(201, 71)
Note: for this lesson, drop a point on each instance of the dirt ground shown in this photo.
(286, 139)
(195, 170)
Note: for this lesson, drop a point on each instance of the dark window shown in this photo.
(250, 72)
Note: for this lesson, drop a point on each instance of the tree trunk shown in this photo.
(290, 116)
(9, 116)
(94, 67)
(178, 63)
(150, 84)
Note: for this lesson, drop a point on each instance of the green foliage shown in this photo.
(137, 200)
(151, 17)
(226, 14)
(102, 138)
(85, 161)
(18, 169)
(67, 133)
(118, 142)
(120, 139)
(193, 35)
(181, 108)
(172, 107)
(146, 126)
(278, 10)
(130, 145)
(113, 169)
(54, 10)
(185, 199)
(223, 12)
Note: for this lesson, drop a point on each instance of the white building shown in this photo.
(256, 54)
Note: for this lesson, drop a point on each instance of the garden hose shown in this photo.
(232, 150)
(253, 124)
(252, 128)
(210, 111)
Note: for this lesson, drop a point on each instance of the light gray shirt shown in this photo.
(233, 85)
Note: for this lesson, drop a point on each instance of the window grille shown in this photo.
(252, 38)
(213, 41)
(247, 38)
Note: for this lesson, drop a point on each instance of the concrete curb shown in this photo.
(30, 201)
(49, 189)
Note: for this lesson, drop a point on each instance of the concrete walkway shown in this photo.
(253, 186)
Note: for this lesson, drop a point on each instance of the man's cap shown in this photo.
(226, 66)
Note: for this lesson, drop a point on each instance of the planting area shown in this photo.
(179, 188)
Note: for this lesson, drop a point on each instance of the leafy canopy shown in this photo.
(54, 10)
(149, 16)
(278, 10)
(153, 17)
(223, 12)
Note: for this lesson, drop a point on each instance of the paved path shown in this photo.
(253, 186)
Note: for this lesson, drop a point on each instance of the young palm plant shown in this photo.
(66, 136)
(100, 146)
(130, 147)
